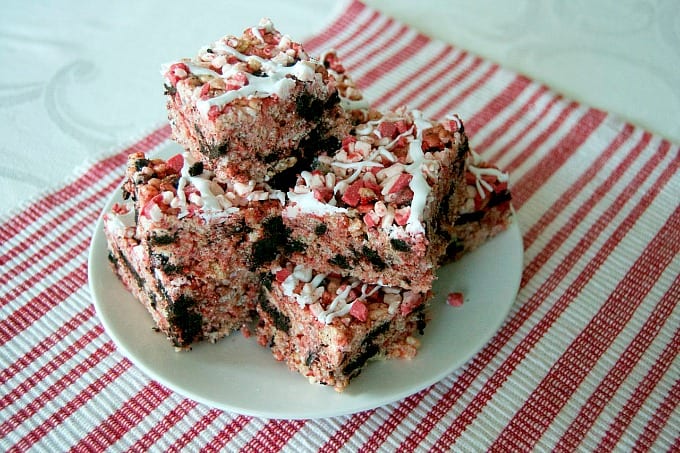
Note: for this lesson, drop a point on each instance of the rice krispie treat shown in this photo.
(372, 210)
(327, 327)
(195, 242)
(185, 307)
(253, 106)
(485, 211)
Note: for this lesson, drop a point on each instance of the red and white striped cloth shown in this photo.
(588, 358)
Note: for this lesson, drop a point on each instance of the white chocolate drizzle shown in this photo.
(276, 82)
(308, 204)
(358, 160)
(120, 222)
(421, 189)
(201, 182)
(210, 202)
(474, 162)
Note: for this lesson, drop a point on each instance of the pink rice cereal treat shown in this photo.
(189, 247)
(485, 211)
(372, 210)
(255, 106)
(184, 308)
(327, 327)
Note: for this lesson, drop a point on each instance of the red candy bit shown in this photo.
(410, 302)
(297, 47)
(352, 196)
(177, 72)
(500, 187)
(375, 187)
(120, 209)
(376, 169)
(331, 61)
(365, 208)
(388, 129)
(431, 140)
(267, 52)
(282, 275)
(155, 201)
(455, 299)
(176, 162)
(401, 183)
(323, 194)
(454, 125)
(402, 126)
(347, 141)
(367, 195)
(470, 178)
(359, 310)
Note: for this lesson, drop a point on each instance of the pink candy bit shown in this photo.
(409, 302)
(214, 111)
(120, 209)
(238, 80)
(388, 129)
(151, 208)
(371, 219)
(176, 72)
(455, 299)
(401, 183)
(359, 310)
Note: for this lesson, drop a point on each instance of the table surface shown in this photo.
(579, 99)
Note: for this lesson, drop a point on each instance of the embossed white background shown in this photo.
(78, 78)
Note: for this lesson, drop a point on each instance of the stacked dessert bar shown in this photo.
(297, 210)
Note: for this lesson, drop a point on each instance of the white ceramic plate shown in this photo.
(238, 375)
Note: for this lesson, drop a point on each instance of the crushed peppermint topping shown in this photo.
(308, 289)
(382, 171)
(266, 69)
(418, 184)
(198, 194)
(122, 217)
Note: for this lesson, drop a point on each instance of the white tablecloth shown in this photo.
(82, 77)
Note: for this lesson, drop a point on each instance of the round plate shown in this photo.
(238, 375)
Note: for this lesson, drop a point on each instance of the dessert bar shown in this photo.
(372, 210)
(327, 327)
(254, 106)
